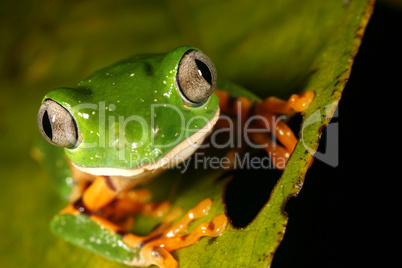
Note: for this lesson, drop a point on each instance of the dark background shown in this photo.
(343, 216)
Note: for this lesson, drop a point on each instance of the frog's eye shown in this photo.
(196, 77)
(57, 125)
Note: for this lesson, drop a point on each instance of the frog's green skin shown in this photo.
(101, 105)
(117, 99)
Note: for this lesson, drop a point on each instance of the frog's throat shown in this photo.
(178, 154)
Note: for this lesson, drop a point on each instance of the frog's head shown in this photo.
(137, 115)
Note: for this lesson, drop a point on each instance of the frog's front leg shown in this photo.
(83, 224)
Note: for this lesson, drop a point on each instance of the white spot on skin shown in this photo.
(67, 105)
(84, 115)
(170, 234)
(167, 94)
(121, 243)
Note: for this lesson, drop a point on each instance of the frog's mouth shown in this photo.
(178, 154)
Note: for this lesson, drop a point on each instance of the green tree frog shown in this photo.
(126, 123)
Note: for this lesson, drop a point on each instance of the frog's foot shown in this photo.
(268, 110)
(155, 249)
(157, 252)
(95, 233)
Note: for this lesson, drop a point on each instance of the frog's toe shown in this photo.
(217, 225)
(212, 229)
(156, 249)
(158, 256)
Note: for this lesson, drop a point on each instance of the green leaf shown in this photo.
(270, 47)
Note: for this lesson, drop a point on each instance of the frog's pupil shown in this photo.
(47, 127)
(204, 71)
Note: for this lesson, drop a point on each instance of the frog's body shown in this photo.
(123, 125)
